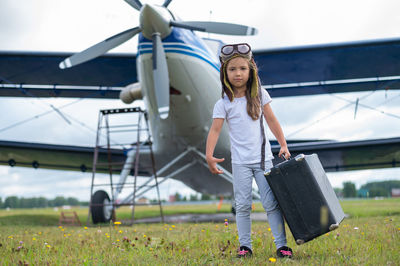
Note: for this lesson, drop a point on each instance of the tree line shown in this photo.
(372, 189)
(39, 202)
(369, 190)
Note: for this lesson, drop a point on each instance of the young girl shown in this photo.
(242, 105)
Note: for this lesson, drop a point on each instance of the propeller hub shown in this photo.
(153, 19)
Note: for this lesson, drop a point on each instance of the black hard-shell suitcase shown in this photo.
(305, 196)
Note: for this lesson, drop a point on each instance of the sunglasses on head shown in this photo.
(241, 48)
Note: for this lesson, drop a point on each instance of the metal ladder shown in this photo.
(114, 150)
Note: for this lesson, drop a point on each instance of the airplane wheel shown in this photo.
(101, 209)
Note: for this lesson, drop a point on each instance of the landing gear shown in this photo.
(101, 208)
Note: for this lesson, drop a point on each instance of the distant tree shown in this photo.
(205, 197)
(178, 197)
(24, 203)
(11, 202)
(193, 197)
(376, 188)
(349, 190)
(73, 201)
(59, 201)
(33, 203)
(42, 202)
(1, 203)
(378, 192)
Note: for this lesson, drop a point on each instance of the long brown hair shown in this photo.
(253, 103)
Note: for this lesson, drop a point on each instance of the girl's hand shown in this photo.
(285, 152)
(212, 165)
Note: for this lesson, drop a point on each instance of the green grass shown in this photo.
(370, 236)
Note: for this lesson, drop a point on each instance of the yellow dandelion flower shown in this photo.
(117, 223)
(40, 233)
(120, 231)
(134, 230)
(150, 249)
(34, 239)
(60, 227)
(202, 230)
(173, 226)
(362, 233)
(269, 228)
(10, 237)
(226, 220)
(273, 237)
(65, 235)
(85, 228)
(170, 229)
(272, 260)
(144, 236)
(165, 229)
(48, 246)
(108, 236)
(117, 240)
(238, 237)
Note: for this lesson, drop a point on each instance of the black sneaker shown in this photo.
(244, 252)
(284, 252)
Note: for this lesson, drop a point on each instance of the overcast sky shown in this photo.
(73, 25)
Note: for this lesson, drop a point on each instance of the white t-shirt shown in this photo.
(244, 132)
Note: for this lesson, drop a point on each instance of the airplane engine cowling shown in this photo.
(131, 93)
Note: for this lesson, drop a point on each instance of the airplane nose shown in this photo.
(154, 19)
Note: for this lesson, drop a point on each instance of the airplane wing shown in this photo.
(64, 157)
(306, 70)
(334, 156)
(330, 68)
(351, 155)
(24, 74)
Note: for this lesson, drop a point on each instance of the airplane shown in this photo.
(176, 74)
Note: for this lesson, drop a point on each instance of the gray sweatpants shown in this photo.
(242, 186)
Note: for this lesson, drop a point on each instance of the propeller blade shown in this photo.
(166, 3)
(160, 76)
(215, 27)
(99, 49)
(136, 4)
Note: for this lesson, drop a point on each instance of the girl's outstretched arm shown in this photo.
(276, 129)
(212, 139)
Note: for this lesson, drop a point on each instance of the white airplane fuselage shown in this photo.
(194, 75)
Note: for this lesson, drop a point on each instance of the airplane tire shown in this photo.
(101, 210)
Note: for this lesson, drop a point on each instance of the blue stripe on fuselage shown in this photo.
(186, 40)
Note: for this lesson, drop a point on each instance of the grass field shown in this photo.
(370, 236)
